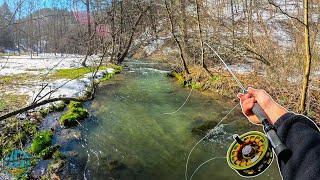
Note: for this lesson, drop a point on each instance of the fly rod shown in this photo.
(247, 149)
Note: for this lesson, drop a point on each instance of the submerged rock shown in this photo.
(71, 153)
(204, 128)
(66, 135)
(5, 176)
(40, 169)
(71, 169)
(114, 165)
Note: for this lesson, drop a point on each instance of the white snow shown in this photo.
(10, 65)
(241, 68)
(41, 65)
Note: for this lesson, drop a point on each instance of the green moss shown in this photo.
(48, 152)
(180, 78)
(30, 128)
(41, 141)
(74, 104)
(58, 155)
(73, 73)
(74, 114)
(215, 78)
(108, 76)
(117, 68)
(194, 85)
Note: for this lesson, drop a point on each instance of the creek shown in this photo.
(129, 136)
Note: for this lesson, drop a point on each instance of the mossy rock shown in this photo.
(57, 155)
(115, 165)
(30, 128)
(74, 114)
(74, 104)
(59, 106)
(55, 166)
(108, 76)
(44, 112)
(204, 128)
(48, 152)
(42, 140)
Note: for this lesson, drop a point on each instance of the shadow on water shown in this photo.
(130, 137)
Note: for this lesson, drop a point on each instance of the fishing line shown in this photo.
(211, 159)
(208, 134)
(224, 63)
(182, 104)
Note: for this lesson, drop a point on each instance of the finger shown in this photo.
(247, 100)
(247, 106)
(247, 103)
(239, 95)
(245, 97)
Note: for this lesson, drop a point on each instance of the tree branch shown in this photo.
(285, 13)
(32, 106)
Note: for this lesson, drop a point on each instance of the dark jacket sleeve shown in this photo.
(302, 137)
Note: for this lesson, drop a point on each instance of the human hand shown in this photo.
(272, 109)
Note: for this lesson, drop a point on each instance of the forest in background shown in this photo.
(279, 39)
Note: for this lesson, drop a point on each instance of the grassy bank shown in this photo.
(221, 83)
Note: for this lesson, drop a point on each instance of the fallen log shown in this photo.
(35, 105)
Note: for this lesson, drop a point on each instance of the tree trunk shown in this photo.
(113, 31)
(89, 33)
(184, 24)
(125, 53)
(176, 38)
(232, 21)
(306, 75)
(250, 22)
(203, 64)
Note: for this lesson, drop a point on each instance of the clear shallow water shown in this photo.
(128, 124)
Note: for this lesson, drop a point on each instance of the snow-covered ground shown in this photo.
(43, 63)
(38, 67)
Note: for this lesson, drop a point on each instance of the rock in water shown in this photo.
(67, 135)
(115, 165)
(40, 169)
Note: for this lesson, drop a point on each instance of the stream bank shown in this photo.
(46, 157)
(221, 83)
(129, 136)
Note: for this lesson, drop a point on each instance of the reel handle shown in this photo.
(279, 148)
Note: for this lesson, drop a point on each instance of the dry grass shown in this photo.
(285, 94)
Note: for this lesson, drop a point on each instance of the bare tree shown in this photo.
(170, 16)
(307, 64)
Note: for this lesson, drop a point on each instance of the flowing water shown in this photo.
(129, 125)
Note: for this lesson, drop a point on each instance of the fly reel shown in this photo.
(250, 154)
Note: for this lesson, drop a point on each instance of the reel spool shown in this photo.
(250, 154)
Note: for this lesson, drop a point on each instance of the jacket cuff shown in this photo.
(283, 118)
